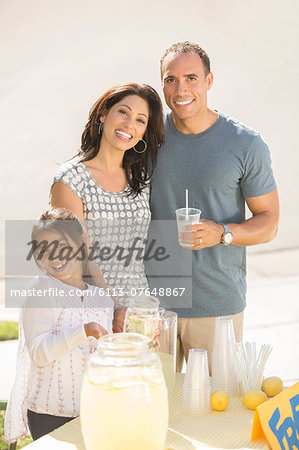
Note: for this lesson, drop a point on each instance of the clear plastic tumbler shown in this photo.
(196, 389)
(224, 365)
(186, 217)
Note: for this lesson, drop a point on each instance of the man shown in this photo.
(224, 165)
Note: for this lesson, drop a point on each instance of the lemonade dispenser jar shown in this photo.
(124, 401)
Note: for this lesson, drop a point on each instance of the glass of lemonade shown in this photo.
(185, 218)
(124, 401)
(167, 347)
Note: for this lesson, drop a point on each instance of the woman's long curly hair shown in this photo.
(138, 167)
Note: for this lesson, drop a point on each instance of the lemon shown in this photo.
(219, 400)
(272, 386)
(252, 399)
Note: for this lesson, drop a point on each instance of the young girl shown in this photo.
(58, 331)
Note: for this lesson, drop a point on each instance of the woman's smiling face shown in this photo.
(125, 123)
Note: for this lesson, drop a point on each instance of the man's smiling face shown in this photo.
(185, 85)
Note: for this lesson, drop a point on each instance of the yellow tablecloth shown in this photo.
(227, 429)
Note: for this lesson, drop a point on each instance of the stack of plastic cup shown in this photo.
(196, 389)
(224, 365)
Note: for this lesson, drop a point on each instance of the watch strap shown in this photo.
(226, 231)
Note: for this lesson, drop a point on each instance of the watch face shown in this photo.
(228, 237)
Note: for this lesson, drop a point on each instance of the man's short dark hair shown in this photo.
(187, 47)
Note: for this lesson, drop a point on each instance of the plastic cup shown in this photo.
(224, 365)
(224, 336)
(185, 218)
(196, 389)
(195, 402)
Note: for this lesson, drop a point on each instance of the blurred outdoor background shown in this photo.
(59, 56)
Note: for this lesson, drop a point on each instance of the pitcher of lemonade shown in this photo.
(166, 347)
(124, 401)
(144, 316)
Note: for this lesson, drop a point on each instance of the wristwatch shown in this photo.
(227, 237)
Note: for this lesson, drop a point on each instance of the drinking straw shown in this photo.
(244, 357)
(187, 204)
(264, 355)
(254, 350)
(250, 366)
(242, 368)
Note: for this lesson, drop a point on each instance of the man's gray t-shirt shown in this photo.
(220, 167)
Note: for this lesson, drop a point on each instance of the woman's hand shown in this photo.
(118, 321)
(95, 329)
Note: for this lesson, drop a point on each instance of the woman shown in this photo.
(107, 183)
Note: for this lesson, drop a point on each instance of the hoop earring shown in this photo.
(100, 128)
(145, 147)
